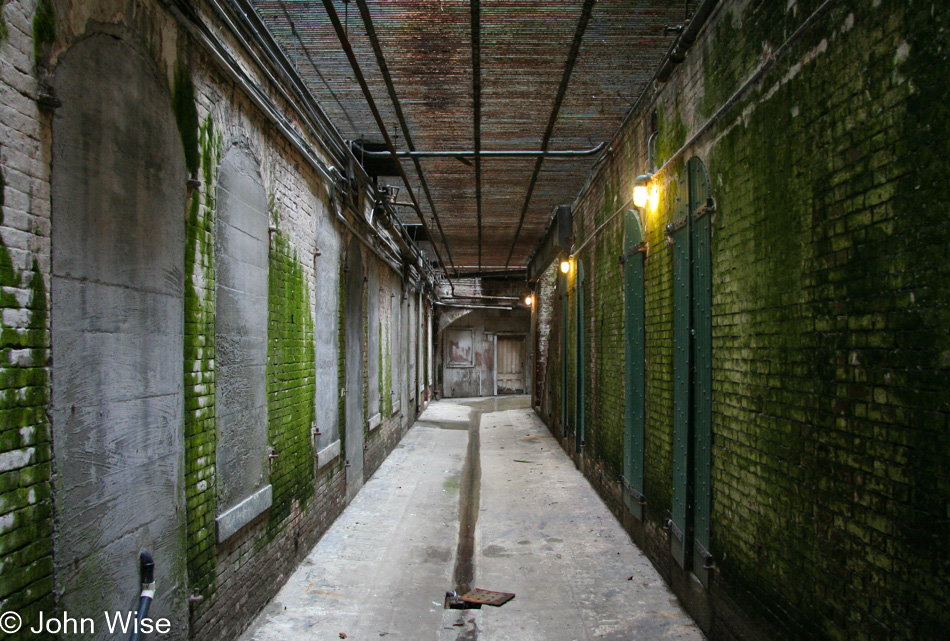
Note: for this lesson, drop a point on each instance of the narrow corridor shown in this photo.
(383, 568)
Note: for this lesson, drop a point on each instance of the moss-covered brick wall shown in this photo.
(199, 371)
(831, 317)
(290, 381)
(26, 511)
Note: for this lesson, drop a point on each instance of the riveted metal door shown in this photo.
(635, 357)
(562, 292)
(701, 310)
(510, 364)
(682, 391)
(579, 371)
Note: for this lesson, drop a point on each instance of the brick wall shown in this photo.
(830, 316)
(26, 508)
(233, 579)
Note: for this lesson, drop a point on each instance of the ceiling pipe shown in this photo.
(695, 26)
(483, 297)
(403, 125)
(489, 153)
(225, 62)
(687, 37)
(477, 119)
(552, 120)
(354, 64)
(509, 308)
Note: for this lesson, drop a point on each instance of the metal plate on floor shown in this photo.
(488, 597)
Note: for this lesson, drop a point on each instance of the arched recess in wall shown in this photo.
(634, 256)
(327, 303)
(374, 418)
(241, 255)
(353, 331)
(691, 235)
(117, 310)
(396, 345)
(412, 323)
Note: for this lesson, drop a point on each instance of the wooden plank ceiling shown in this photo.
(480, 74)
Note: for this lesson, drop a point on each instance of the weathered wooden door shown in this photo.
(510, 365)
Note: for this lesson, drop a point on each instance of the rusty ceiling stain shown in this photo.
(523, 46)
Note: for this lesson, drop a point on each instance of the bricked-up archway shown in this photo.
(117, 301)
(353, 319)
(241, 270)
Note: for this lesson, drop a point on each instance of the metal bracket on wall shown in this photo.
(678, 533)
(635, 493)
(708, 558)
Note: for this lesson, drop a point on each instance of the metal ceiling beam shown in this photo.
(477, 153)
(355, 65)
(562, 90)
(477, 107)
(397, 106)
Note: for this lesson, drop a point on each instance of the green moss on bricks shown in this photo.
(44, 28)
(199, 353)
(26, 543)
(186, 115)
(291, 383)
(671, 136)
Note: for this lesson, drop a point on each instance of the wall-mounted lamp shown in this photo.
(642, 190)
(565, 266)
(528, 299)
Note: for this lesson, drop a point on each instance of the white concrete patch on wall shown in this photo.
(243, 513)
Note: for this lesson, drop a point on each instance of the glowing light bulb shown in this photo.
(565, 266)
(640, 195)
(528, 300)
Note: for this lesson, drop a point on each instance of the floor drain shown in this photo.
(476, 598)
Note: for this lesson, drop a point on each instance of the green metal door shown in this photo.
(700, 226)
(635, 358)
(682, 391)
(581, 368)
(692, 373)
(562, 291)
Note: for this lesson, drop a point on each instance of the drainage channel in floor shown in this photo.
(469, 492)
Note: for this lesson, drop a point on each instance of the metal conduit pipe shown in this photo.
(478, 297)
(371, 103)
(440, 303)
(304, 103)
(339, 216)
(488, 153)
(693, 29)
(213, 46)
(403, 125)
(687, 37)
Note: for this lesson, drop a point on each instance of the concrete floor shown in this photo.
(383, 568)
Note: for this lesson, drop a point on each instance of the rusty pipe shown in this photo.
(492, 153)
